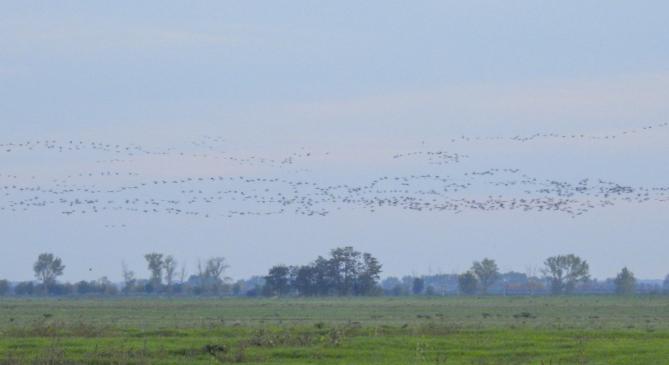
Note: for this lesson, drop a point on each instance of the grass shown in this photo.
(491, 330)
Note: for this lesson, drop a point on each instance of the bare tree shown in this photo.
(182, 274)
(47, 268)
(215, 268)
(213, 273)
(533, 281)
(201, 275)
(128, 279)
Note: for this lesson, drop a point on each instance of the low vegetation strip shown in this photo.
(486, 330)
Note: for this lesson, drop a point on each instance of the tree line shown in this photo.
(344, 272)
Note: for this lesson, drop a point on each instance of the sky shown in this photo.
(352, 83)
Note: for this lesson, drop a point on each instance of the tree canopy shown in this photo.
(625, 282)
(346, 272)
(565, 271)
(486, 272)
(47, 268)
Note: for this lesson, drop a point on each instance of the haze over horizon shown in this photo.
(502, 101)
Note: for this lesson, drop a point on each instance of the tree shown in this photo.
(277, 281)
(625, 282)
(468, 283)
(346, 272)
(666, 283)
(324, 276)
(237, 288)
(4, 287)
(565, 271)
(84, 287)
(210, 274)
(201, 279)
(170, 266)
(306, 281)
(129, 280)
(47, 268)
(344, 263)
(486, 272)
(106, 286)
(534, 283)
(215, 268)
(182, 274)
(25, 288)
(369, 275)
(398, 290)
(155, 264)
(418, 286)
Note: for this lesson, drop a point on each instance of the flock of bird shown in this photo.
(434, 157)
(208, 148)
(565, 136)
(102, 191)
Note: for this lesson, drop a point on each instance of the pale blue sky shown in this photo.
(362, 80)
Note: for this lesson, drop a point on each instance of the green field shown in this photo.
(491, 330)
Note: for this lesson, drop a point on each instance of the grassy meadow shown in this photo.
(489, 330)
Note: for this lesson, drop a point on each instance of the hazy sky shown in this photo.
(360, 81)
